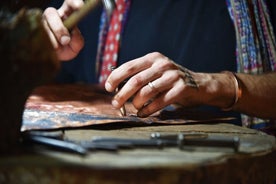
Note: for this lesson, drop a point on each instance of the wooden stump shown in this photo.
(28, 60)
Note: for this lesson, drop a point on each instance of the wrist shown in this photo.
(236, 89)
(220, 90)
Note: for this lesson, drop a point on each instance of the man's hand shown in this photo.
(67, 44)
(154, 82)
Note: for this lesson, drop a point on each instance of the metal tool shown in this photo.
(156, 140)
(172, 140)
(200, 139)
(157, 135)
(123, 108)
(55, 144)
(109, 6)
(55, 140)
(96, 147)
(129, 143)
(50, 134)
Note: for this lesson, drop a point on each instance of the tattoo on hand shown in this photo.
(189, 80)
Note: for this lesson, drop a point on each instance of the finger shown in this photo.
(70, 51)
(132, 67)
(65, 53)
(154, 106)
(77, 42)
(164, 83)
(158, 63)
(145, 95)
(163, 100)
(125, 71)
(56, 26)
(180, 94)
(133, 85)
(51, 35)
(69, 6)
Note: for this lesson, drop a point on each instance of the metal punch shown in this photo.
(123, 108)
(200, 139)
(180, 140)
(54, 143)
(109, 6)
(57, 142)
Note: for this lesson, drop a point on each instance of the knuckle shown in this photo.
(75, 4)
(49, 11)
(165, 64)
(136, 81)
(129, 67)
(59, 32)
(174, 76)
(154, 55)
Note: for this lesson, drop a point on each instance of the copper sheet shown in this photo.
(61, 106)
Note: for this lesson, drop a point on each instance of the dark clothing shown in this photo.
(197, 34)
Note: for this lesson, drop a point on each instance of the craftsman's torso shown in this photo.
(197, 34)
(194, 33)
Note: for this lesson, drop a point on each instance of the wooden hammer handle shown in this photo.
(75, 17)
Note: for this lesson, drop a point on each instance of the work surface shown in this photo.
(84, 113)
(254, 163)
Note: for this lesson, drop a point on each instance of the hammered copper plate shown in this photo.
(78, 105)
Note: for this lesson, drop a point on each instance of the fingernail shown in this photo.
(77, 3)
(64, 40)
(108, 86)
(115, 103)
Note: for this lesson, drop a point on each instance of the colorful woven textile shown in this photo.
(256, 49)
(256, 46)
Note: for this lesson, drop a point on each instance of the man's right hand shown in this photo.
(66, 43)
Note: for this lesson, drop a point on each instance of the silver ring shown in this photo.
(151, 85)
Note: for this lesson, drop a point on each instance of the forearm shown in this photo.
(258, 93)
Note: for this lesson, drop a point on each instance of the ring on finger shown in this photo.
(151, 85)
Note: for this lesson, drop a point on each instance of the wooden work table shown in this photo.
(254, 163)
(85, 111)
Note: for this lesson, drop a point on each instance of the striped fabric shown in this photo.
(104, 28)
(256, 46)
